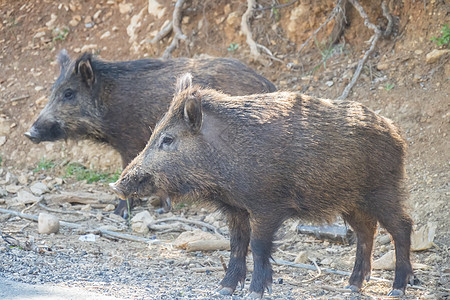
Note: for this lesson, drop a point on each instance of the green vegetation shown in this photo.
(233, 47)
(444, 39)
(44, 164)
(389, 86)
(80, 172)
(326, 50)
(60, 34)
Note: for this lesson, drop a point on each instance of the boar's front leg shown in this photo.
(239, 227)
(124, 207)
(263, 228)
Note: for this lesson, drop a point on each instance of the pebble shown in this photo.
(435, 55)
(139, 223)
(109, 207)
(24, 197)
(47, 223)
(39, 188)
(301, 258)
(105, 35)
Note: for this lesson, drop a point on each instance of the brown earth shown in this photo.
(397, 82)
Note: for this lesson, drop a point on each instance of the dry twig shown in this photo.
(195, 222)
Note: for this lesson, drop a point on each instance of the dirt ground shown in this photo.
(398, 82)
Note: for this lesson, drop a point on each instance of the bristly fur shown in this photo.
(264, 158)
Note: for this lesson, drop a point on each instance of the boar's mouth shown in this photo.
(52, 133)
(140, 187)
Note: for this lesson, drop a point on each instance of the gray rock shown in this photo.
(24, 197)
(48, 223)
(39, 188)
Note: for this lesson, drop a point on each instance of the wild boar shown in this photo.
(117, 103)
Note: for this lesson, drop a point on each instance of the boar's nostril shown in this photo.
(118, 191)
(33, 137)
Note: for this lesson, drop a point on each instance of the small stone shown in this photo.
(418, 52)
(24, 197)
(3, 192)
(329, 83)
(140, 222)
(301, 258)
(125, 8)
(155, 8)
(423, 238)
(386, 262)
(47, 223)
(73, 22)
(326, 261)
(384, 239)
(86, 207)
(89, 47)
(23, 179)
(382, 66)
(39, 188)
(58, 181)
(105, 35)
(13, 189)
(434, 55)
(109, 207)
(50, 23)
(2, 140)
(2, 201)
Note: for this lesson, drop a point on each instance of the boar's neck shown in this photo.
(129, 104)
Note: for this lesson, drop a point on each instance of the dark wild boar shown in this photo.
(117, 103)
(262, 159)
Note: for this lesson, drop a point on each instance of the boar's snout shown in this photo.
(33, 135)
(118, 189)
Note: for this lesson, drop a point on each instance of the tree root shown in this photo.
(373, 41)
(176, 27)
(332, 15)
(254, 47)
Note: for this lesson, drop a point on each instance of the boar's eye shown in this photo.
(68, 94)
(167, 140)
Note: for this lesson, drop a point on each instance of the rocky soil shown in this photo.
(399, 82)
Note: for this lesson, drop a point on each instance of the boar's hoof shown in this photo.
(254, 295)
(225, 291)
(352, 288)
(396, 293)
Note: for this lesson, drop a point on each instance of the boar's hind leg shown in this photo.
(263, 228)
(399, 225)
(365, 227)
(239, 226)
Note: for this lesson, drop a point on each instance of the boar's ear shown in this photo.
(183, 82)
(84, 68)
(193, 112)
(63, 59)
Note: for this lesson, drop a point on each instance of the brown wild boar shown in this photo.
(117, 103)
(262, 159)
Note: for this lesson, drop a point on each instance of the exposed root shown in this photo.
(165, 31)
(332, 15)
(176, 27)
(254, 52)
(245, 28)
(341, 20)
(373, 41)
